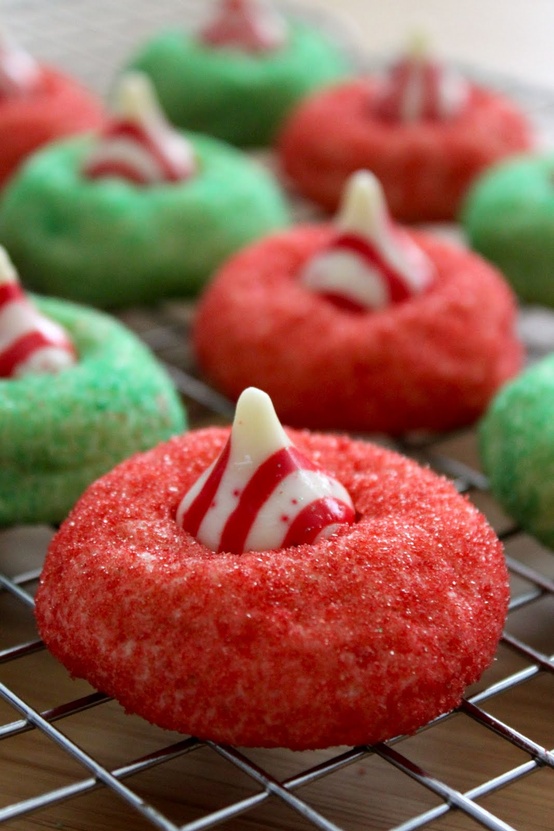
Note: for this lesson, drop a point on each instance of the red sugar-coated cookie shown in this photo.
(59, 107)
(357, 638)
(425, 166)
(432, 362)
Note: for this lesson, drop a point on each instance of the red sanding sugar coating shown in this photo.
(424, 166)
(350, 640)
(59, 107)
(432, 362)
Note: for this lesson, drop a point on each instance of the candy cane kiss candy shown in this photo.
(249, 25)
(138, 144)
(370, 262)
(418, 86)
(261, 492)
(29, 341)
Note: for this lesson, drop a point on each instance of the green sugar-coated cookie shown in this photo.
(509, 218)
(238, 96)
(60, 432)
(517, 449)
(109, 242)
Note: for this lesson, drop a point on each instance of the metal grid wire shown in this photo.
(70, 758)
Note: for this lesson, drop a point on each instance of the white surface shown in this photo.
(511, 36)
(91, 37)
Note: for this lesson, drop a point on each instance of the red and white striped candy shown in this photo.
(261, 493)
(371, 262)
(248, 25)
(139, 144)
(29, 341)
(19, 73)
(417, 88)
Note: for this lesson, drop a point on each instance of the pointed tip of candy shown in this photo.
(19, 71)
(418, 45)
(8, 273)
(363, 207)
(256, 428)
(134, 97)
(253, 401)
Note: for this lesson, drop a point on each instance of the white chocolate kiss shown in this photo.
(19, 72)
(247, 25)
(139, 144)
(370, 262)
(417, 87)
(30, 343)
(261, 492)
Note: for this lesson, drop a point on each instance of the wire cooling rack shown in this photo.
(71, 759)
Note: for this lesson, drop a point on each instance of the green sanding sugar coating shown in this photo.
(60, 432)
(109, 242)
(509, 218)
(240, 97)
(517, 449)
